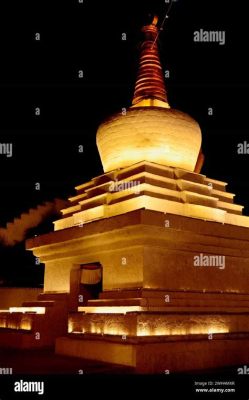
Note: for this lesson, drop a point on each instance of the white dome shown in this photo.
(160, 135)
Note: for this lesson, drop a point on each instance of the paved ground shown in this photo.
(62, 379)
(46, 362)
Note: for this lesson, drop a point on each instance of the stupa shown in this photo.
(148, 265)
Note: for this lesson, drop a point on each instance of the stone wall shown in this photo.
(14, 297)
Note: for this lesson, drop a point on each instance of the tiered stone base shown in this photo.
(160, 309)
(148, 312)
(160, 354)
(157, 330)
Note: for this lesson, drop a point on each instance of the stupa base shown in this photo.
(160, 355)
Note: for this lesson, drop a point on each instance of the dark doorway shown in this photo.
(90, 284)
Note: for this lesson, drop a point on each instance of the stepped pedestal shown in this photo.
(158, 305)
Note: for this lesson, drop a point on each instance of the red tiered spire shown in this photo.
(150, 81)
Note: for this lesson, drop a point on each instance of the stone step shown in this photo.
(114, 302)
(122, 294)
(163, 309)
(195, 187)
(145, 293)
(148, 354)
(199, 199)
(53, 297)
(38, 303)
(189, 176)
(166, 301)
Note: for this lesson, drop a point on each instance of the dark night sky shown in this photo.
(88, 36)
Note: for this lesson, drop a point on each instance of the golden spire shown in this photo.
(150, 87)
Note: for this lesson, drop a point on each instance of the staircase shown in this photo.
(35, 324)
(15, 231)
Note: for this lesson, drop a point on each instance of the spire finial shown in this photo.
(150, 87)
(155, 20)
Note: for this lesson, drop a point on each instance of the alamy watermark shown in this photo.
(6, 149)
(24, 386)
(202, 260)
(133, 186)
(6, 371)
(243, 370)
(210, 36)
(243, 148)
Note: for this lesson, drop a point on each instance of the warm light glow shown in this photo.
(151, 103)
(141, 325)
(110, 310)
(164, 136)
(36, 310)
(3, 322)
(15, 321)
(26, 325)
(145, 331)
(70, 326)
(119, 331)
(198, 330)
